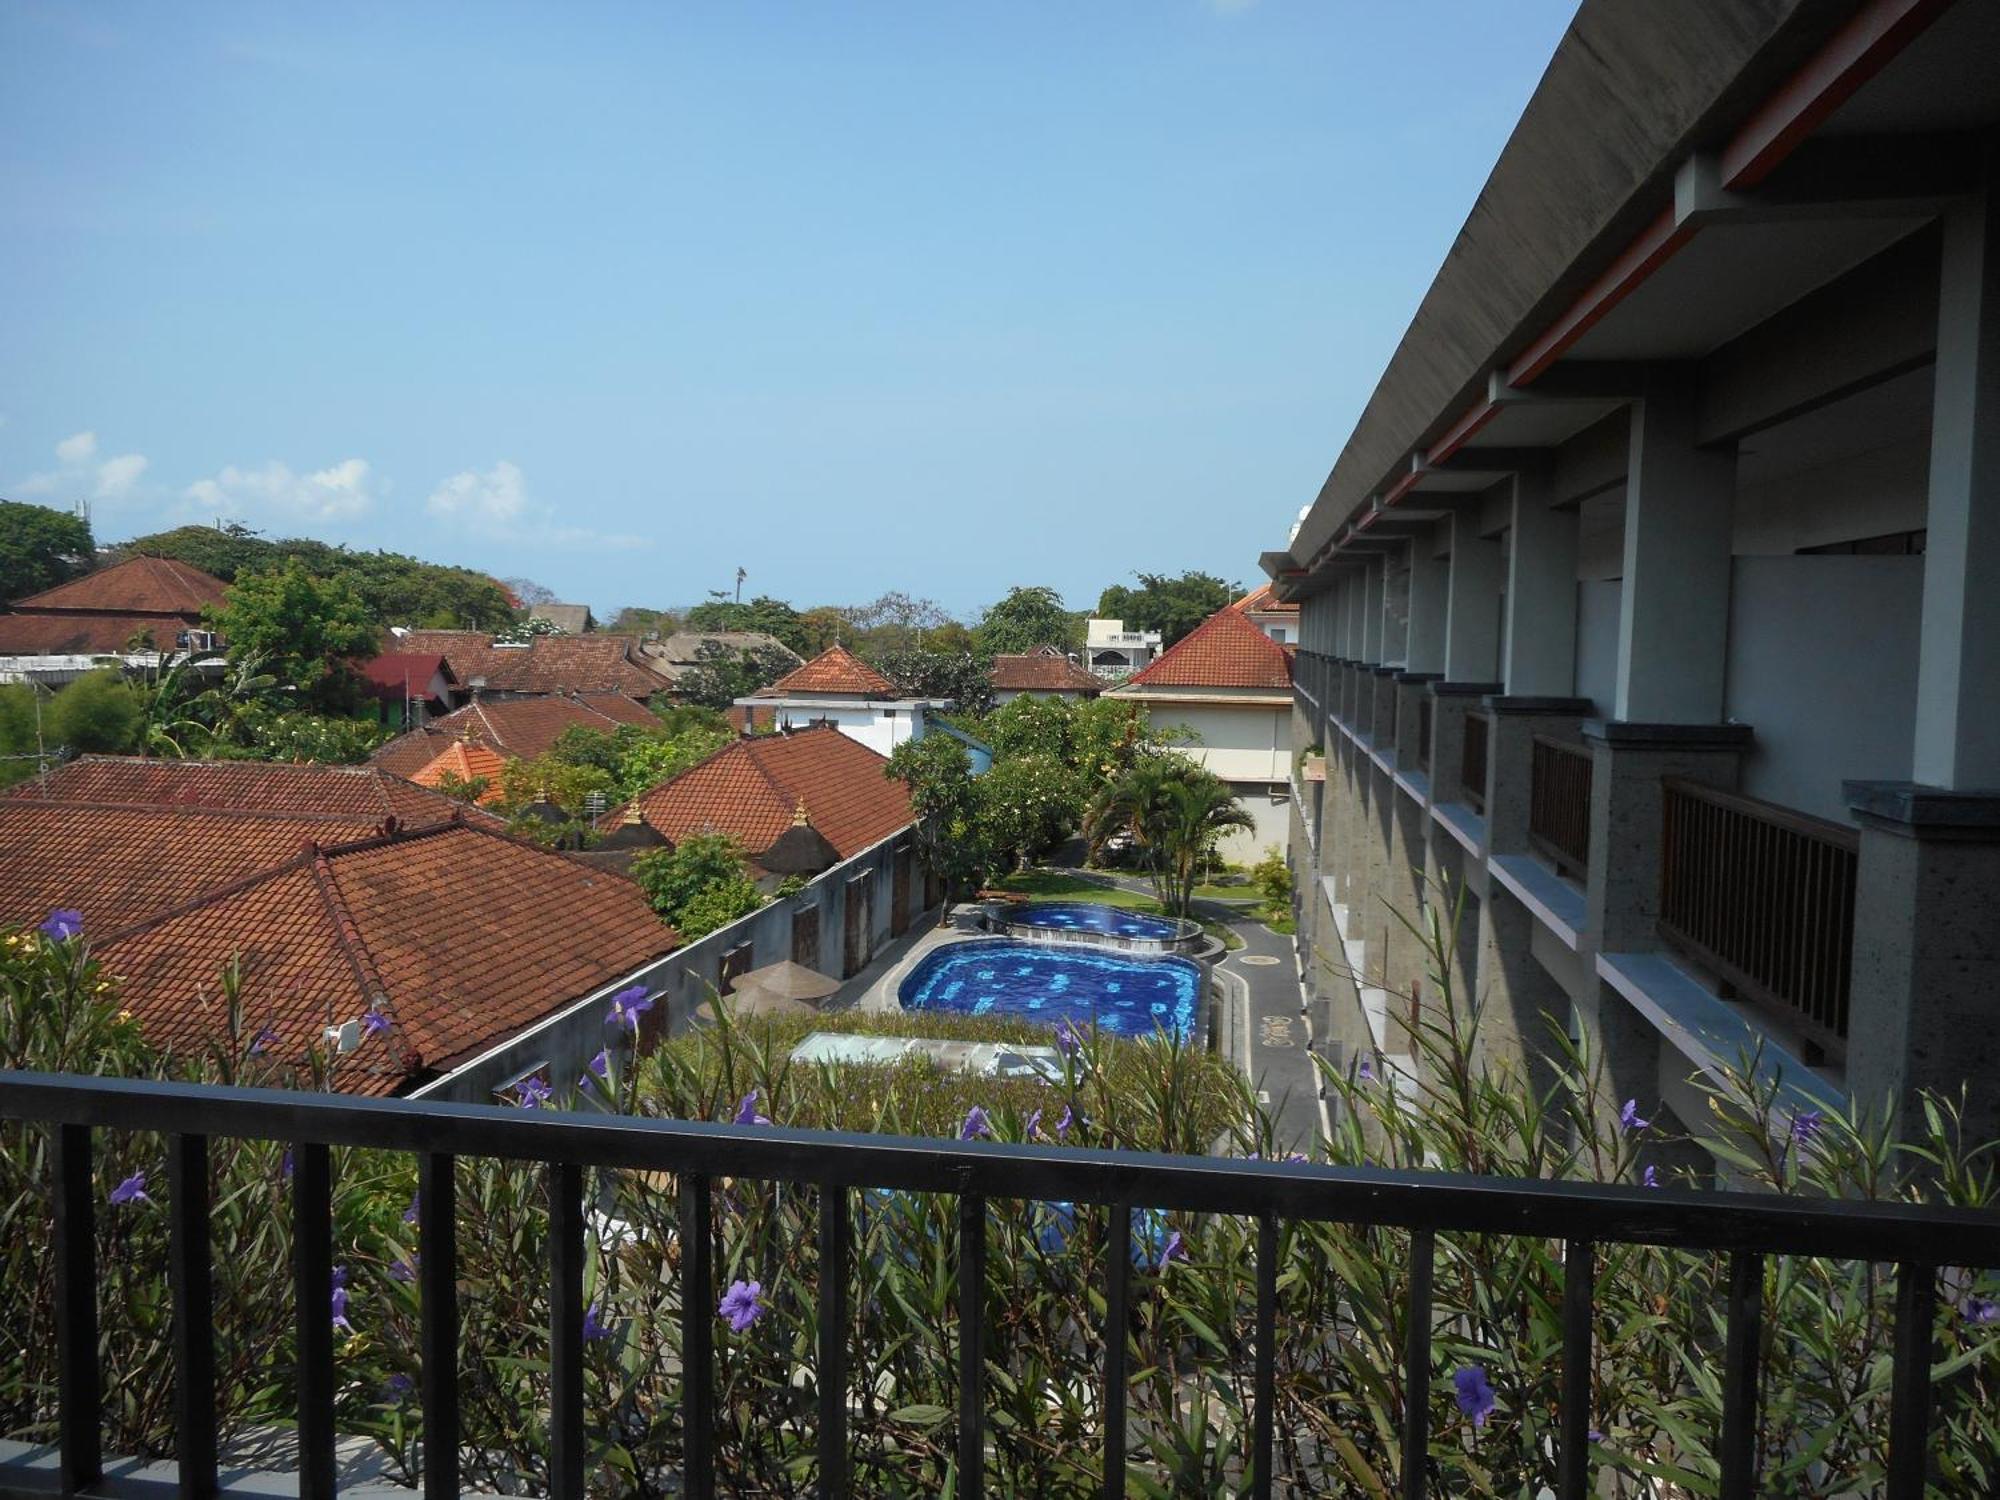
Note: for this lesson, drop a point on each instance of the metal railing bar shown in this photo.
(1910, 1380)
(437, 1281)
(1265, 1382)
(312, 1286)
(697, 1336)
(1117, 1329)
(1745, 1310)
(190, 1273)
(971, 1346)
(1417, 1367)
(1604, 1212)
(830, 1373)
(1573, 1446)
(79, 1380)
(566, 1442)
(1774, 814)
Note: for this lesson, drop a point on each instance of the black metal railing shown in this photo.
(1583, 1216)
(1764, 896)
(1559, 804)
(1472, 761)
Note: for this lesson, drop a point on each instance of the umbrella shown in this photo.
(757, 1004)
(786, 981)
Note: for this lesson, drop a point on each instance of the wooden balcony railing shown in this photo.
(1559, 804)
(1424, 734)
(1764, 897)
(1472, 766)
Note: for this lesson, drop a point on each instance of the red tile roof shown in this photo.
(1041, 673)
(86, 635)
(545, 664)
(519, 727)
(1265, 601)
(394, 675)
(751, 789)
(465, 762)
(461, 936)
(139, 585)
(119, 864)
(1226, 650)
(834, 670)
(362, 792)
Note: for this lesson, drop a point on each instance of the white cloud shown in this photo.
(80, 473)
(498, 498)
(340, 492)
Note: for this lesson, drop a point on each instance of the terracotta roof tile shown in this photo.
(394, 674)
(518, 727)
(545, 664)
(834, 670)
(1264, 601)
(139, 585)
(1226, 650)
(240, 785)
(466, 761)
(1041, 673)
(460, 935)
(751, 788)
(85, 635)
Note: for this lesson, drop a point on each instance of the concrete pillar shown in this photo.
(1957, 744)
(1371, 610)
(1519, 1000)
(1430, 582)
(1472, 607)
(1541, 593)
(1395, 607)
(1680, 502)
(1450, 702)
(1510, 760)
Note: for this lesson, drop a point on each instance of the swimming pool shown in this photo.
(1129, 997)
(1091, 916)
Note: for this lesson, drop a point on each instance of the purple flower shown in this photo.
(131, 1190)
(746, 1111)
(1629, 1116)
(261, 1043)
(594, 1326)
(1063, 1125)
(397, 1387)
(285, 1164)
(1031, 1126)
(533, 1091)
(601, 1064)
(629, 1004)
(1650, 1177)
(404, 1270)
(1069, 1040)
(375, 1022)
(1175, 1249)
(976, 1126)
(1594, 1435)
(742, 1304)
(1976, 1309)
(1367, 1071)
(62, 924)
(1474, 1395)
(416, 1207)
(1805, 1127)
(340, 1299)
(1297, 1159)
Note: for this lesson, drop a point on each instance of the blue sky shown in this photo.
(939, 297)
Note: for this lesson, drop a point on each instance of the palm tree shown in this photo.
(1175, 811)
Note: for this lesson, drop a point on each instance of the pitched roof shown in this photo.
(591, 663)
(466, 762)
(139, 585)
(1226, 650)
(518, 727)
(120, 864)
(241, 785)
(460, 935)
(834, 670)
(80, 634)
(1265, 601)
(751, 790)
(1039, 672)
(573, 618)
(680, 651)
(393, 673)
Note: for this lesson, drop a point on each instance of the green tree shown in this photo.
(40, 548)
(821, 626)
(97, 712)
(774, 617)
(960, 676)
(1030, 616)
(720, 676)
(945, 801)
(633, 619)
(716, 906)
(1172, 606)
(699, 884)
(305, 628)
(1174, 811)
(1027, 805)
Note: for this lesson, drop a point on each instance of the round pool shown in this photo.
(1091, 917)
(1127, 996)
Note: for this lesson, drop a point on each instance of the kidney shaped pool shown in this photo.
(1126, 996)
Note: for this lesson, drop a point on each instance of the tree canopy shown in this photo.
(302, 627)
(774, 617)
(960, 676)
(1031, 615)
(720, 676)
(1172, 606)
(40, 548)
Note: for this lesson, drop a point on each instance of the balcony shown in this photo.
(1559, 805)
(1763, 897)
(1472, 763)
(839, 1181)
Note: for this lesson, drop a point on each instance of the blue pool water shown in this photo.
(996, 976)
(1091, 916)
